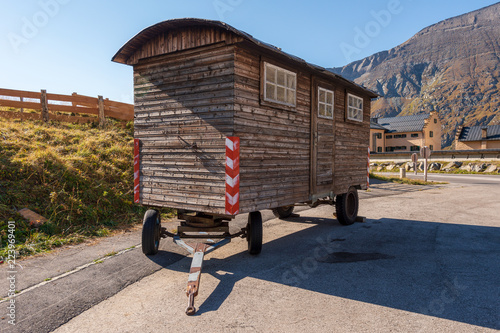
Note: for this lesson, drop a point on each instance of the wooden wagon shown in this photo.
(226, 124)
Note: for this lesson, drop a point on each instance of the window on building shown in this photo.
(325, 103)
(414, 135)
(431, 147)
(388, 137)
(435, 121)
(415, 148)
(400, 148)
(379, 149)
(280, 85)
(431, 134)
(379, 135)
(389, 149)
(354, 108)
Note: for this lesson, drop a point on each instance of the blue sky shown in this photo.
(66, 46)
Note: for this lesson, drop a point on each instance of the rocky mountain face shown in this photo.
(452, 67)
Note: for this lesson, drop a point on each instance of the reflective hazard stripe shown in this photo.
(232, 175)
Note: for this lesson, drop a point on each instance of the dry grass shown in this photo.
(78, 176)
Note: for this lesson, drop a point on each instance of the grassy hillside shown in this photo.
(79, 177)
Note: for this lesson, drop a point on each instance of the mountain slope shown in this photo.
(452, 67)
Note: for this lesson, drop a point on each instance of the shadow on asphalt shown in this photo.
(448, 271)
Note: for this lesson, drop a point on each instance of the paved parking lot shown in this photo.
(425, 261)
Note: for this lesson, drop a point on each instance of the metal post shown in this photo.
(425, 169)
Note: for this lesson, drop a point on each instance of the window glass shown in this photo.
(355, 108)
(325, 103)
(280, 85)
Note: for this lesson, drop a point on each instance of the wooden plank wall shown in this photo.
(182, 39)
(275, 143)
(351, 145)
(324, 157)
(183, 113)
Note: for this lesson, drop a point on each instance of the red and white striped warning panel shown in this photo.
(136, 172)
(232, 175)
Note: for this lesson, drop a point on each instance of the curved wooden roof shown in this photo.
(127, 51)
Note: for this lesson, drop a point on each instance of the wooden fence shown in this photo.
(69, 108)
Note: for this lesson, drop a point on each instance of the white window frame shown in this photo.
(325, 103)
(288, 87)
(353, 111)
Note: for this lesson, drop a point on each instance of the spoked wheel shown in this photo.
(283, 212)
(254, 232)
(151, 227)
(346, 206)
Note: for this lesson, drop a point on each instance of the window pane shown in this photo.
(270, 94)
(281, 78)
(329, 98)
(322, 97)
(280, 94)
(329, 111)
(322, 111)
(290, 97)
(352, 113)
(271, 74)
(290, 81)
(280, 85)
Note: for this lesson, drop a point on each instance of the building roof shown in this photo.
(136, 42)
(374, 125)
(413, 123)
(474, 133)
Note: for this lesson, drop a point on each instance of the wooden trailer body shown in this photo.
(226, 124)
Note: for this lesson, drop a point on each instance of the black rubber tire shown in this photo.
(151, 227)
(254, 233)
(346, 206)
(283, 212)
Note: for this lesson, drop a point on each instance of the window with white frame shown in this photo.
(279, 85)
(325, 103)
(354, 108)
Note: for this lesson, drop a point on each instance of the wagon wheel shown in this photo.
(346, 206)
(151, 227)
(254, 232)
(283, 212)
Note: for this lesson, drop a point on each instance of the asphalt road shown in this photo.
(462, 179)
(425, 260)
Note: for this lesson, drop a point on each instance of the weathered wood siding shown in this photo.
(194, 88)
(275, 143)
(182, 39)
(183, 113)
(351, 145)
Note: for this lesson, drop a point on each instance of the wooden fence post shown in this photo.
(73, 104)
(45, 106)
(102, 119)
(22, 100)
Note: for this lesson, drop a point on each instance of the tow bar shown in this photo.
(198, 251)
